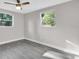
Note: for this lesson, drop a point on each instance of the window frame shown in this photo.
(48, 26)
(9, 20)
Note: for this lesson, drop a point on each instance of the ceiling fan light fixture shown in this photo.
(18, 6)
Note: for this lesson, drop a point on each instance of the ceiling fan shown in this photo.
(18, 4)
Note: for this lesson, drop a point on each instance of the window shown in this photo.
(48, 19)
(5, 19)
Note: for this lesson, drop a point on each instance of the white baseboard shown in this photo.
(62, 49)
(9, 41)
(44, 43)
(52, 46)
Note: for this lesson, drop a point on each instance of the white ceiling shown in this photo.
(35, 5)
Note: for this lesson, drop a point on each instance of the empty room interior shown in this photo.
(39, 29)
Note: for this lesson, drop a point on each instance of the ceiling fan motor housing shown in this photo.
(18, 5)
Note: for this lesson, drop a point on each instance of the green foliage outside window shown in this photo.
(48, 18)
(5, 19)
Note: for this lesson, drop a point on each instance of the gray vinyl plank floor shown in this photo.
(25, 49)
(22, 50)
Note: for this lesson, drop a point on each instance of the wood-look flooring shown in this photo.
(24, 49)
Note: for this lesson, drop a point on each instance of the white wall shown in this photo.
(15, 32)
(67, 25)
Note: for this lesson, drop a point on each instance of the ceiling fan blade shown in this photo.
(9, 3)
(18, 1)
(25, 3)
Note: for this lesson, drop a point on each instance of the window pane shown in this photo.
(48, 18)
(5, 19)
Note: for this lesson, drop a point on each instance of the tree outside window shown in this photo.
(48, 18)
(5, 19)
